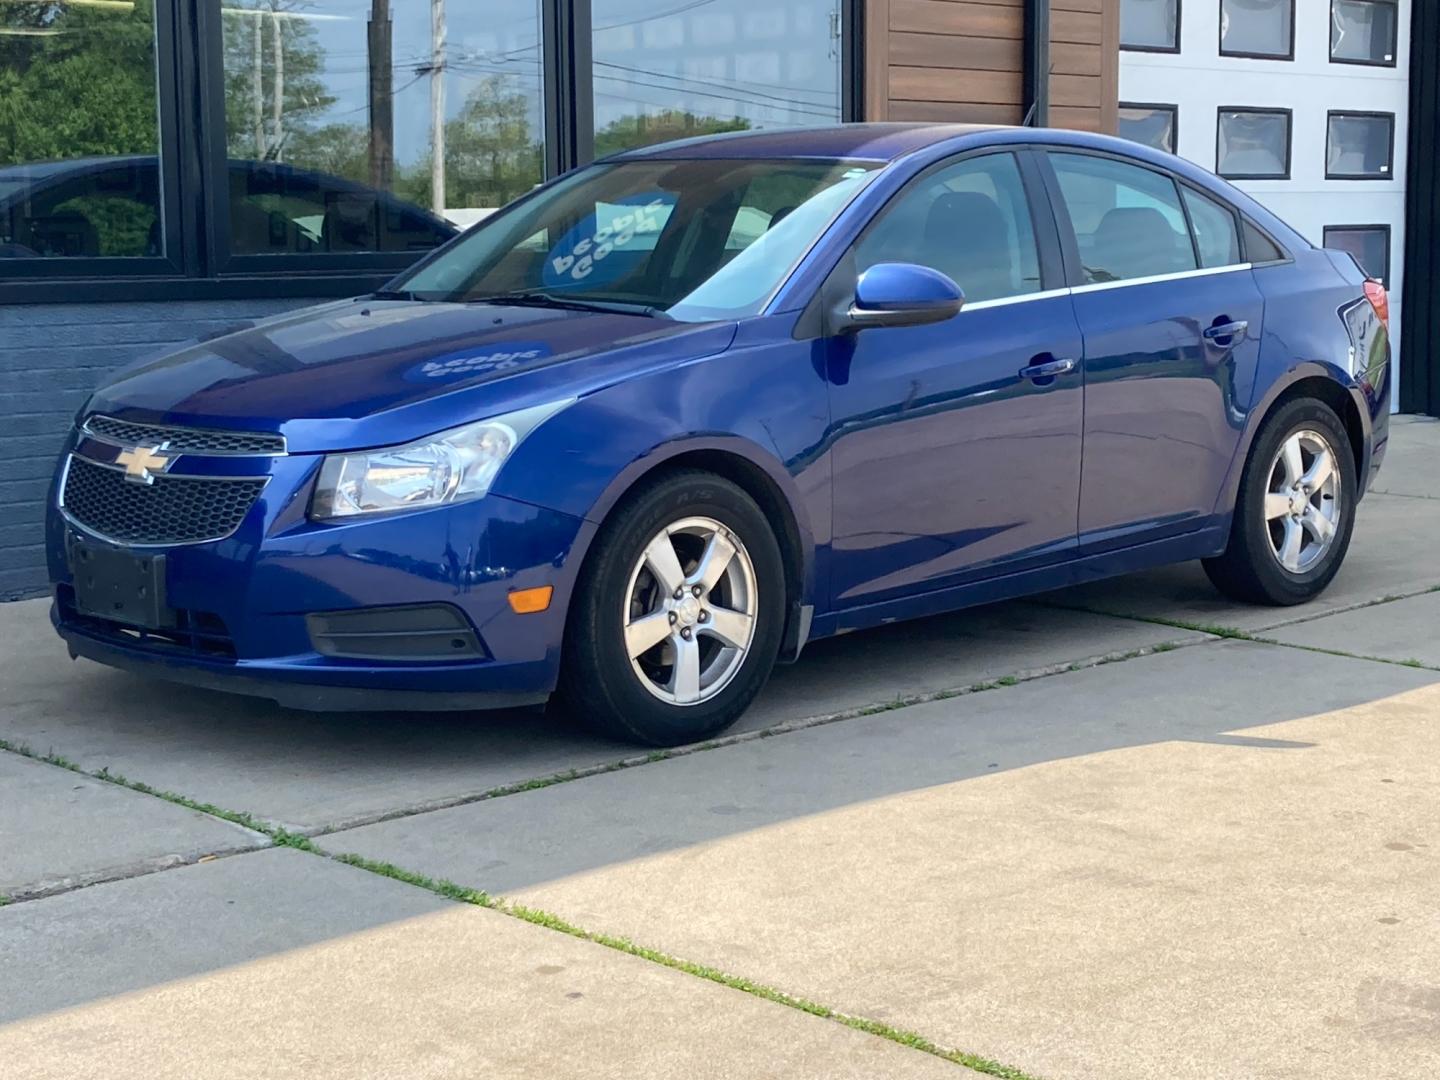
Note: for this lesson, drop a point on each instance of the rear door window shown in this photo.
(1128, 220)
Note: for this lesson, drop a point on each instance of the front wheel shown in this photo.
(678, 615)
(1295, 510)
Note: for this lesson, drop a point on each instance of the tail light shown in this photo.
(1379, 300)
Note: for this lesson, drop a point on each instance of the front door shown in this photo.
(956, 447)
(1172, 320)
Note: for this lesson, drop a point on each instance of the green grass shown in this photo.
(538, 917)
(463, 894)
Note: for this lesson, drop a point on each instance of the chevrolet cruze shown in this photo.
(655, 426)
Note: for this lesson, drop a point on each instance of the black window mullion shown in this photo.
(569, 99)
(184, 174)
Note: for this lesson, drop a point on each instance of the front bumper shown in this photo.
(243, 601)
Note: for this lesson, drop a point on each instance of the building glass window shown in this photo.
(723, 65)
(1149, 125)
(1360, 146)
(1150, 25)
(352, 126)
(970, 221)
(1253, 144)
(1216, 237)
(1370, 244)
(79, 131)
(1363, 32)
(1259, 28)
(1128, 220)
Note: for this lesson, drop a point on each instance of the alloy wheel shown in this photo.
(1303, 501)
(690, 611)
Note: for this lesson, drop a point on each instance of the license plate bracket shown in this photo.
(122, 586)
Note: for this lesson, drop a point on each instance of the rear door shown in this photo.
(1171, 319)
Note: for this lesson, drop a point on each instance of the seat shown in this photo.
(967, 238)
(1137, 241)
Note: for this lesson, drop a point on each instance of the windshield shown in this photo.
(698, 240)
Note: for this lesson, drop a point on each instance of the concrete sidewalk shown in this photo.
(1119, 843)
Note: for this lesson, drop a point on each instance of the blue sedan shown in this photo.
(649, 430)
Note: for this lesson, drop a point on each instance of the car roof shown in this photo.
(857, 142)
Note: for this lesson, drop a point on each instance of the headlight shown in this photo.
(450, 467)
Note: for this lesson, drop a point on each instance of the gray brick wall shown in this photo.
(51, 357)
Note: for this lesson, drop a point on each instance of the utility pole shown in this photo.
(382, 100)
(257, 87)
(437, 106)
(278, 110)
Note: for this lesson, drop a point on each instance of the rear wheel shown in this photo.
(677, 620)
(1295, 510)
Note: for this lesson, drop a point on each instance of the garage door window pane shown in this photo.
(1254, 145)
(1256, 27)
(719, 65)
(349, 133)
(1370, 244)
(1128, 221)
(1149, 125)
(1363, 31)
(79, 133)
(1359, 146)
(1149, 24)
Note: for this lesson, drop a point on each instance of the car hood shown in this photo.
(364, 373)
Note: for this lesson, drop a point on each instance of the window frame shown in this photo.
(1160, 106)
(1287, 56)
(1069, 241)
(1260, 110)
(190, 91)
(1361, 114)
(1394, 60)
(1379, 227)
(1165, 49)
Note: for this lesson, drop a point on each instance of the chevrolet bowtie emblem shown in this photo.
(143, 463)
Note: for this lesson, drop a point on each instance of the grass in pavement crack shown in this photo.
(465, 895)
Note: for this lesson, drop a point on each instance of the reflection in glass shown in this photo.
(377, 125)
(1254, 145)
(695, 239)
(1359, 146)
(721, 65)
(1149, 24)
(1255, 27)
(1370, 244)
(1149, 125)
(78, 130)
(1363, 31)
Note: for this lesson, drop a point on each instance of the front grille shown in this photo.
(186, 439)
(172, 510)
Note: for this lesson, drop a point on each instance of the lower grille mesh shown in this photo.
(172, 510)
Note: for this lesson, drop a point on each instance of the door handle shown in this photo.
(1225, 331)
(1048, 370)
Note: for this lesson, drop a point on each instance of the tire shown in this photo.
(1263, 563)
(706, 664)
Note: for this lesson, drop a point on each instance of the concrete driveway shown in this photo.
(1129, 830)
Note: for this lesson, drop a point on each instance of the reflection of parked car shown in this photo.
(108, 206)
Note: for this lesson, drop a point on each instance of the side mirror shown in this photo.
(901, 294)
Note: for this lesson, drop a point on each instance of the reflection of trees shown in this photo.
(84, 86)
(274, 88)
(490, 155)
(645, 130)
